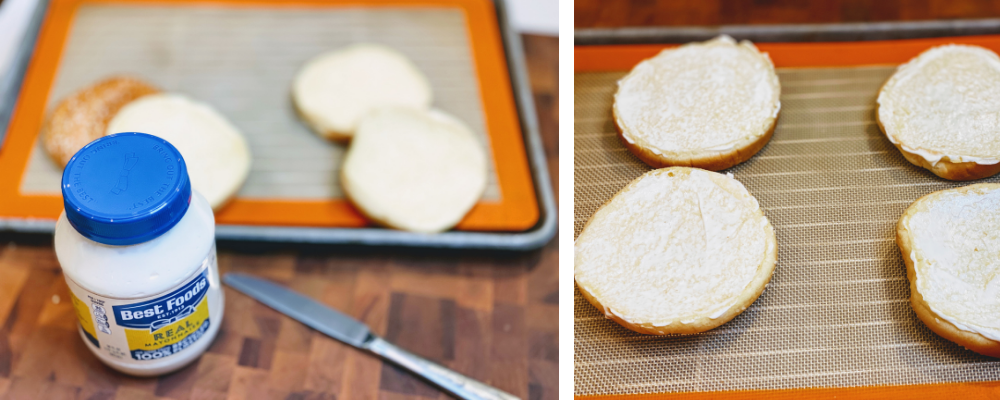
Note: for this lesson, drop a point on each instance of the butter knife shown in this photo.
(348, 330)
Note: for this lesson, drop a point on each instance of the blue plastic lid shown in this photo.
(125, 188)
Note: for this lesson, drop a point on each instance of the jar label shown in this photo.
(165, 325)
(152, 328)
(86, 322)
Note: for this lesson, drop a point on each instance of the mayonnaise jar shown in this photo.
(137, 248)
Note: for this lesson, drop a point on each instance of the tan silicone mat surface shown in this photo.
(836, 312)
(242, 60)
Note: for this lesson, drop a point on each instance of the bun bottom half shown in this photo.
(749, 295)
(970, 340)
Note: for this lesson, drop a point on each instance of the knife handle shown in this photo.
(453, 382)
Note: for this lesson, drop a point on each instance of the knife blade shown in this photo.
(348, 330)
(330, 322)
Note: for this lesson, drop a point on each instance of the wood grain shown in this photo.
(604, 14)
(492, 317)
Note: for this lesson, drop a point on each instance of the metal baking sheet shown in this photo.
(846, 32)
(836, 312)
(203, 52)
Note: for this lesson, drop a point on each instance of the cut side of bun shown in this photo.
(949, 242)
(708, 105)
(677, 251)
(83, 117)
(940, 110)
(414, 170)
(216, 154)
(336, 89)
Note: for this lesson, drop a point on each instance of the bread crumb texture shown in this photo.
(216, 153)
(955, 251)
(945, 103)
(709, 96)
(675, 245)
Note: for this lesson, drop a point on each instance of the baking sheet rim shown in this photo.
(543, 204)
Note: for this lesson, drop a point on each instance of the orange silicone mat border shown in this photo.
(964, 391)
(785, 55)
(804, 55)
(516, 211)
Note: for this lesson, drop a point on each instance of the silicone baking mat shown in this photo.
(241, 57)
(836, 312)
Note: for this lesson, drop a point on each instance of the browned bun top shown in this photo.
(82, 117)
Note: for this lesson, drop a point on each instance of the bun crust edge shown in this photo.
(328, 134)
(750, 294)
(710, 160)
(970, 340)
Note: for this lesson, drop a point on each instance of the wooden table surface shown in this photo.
(493, 317)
